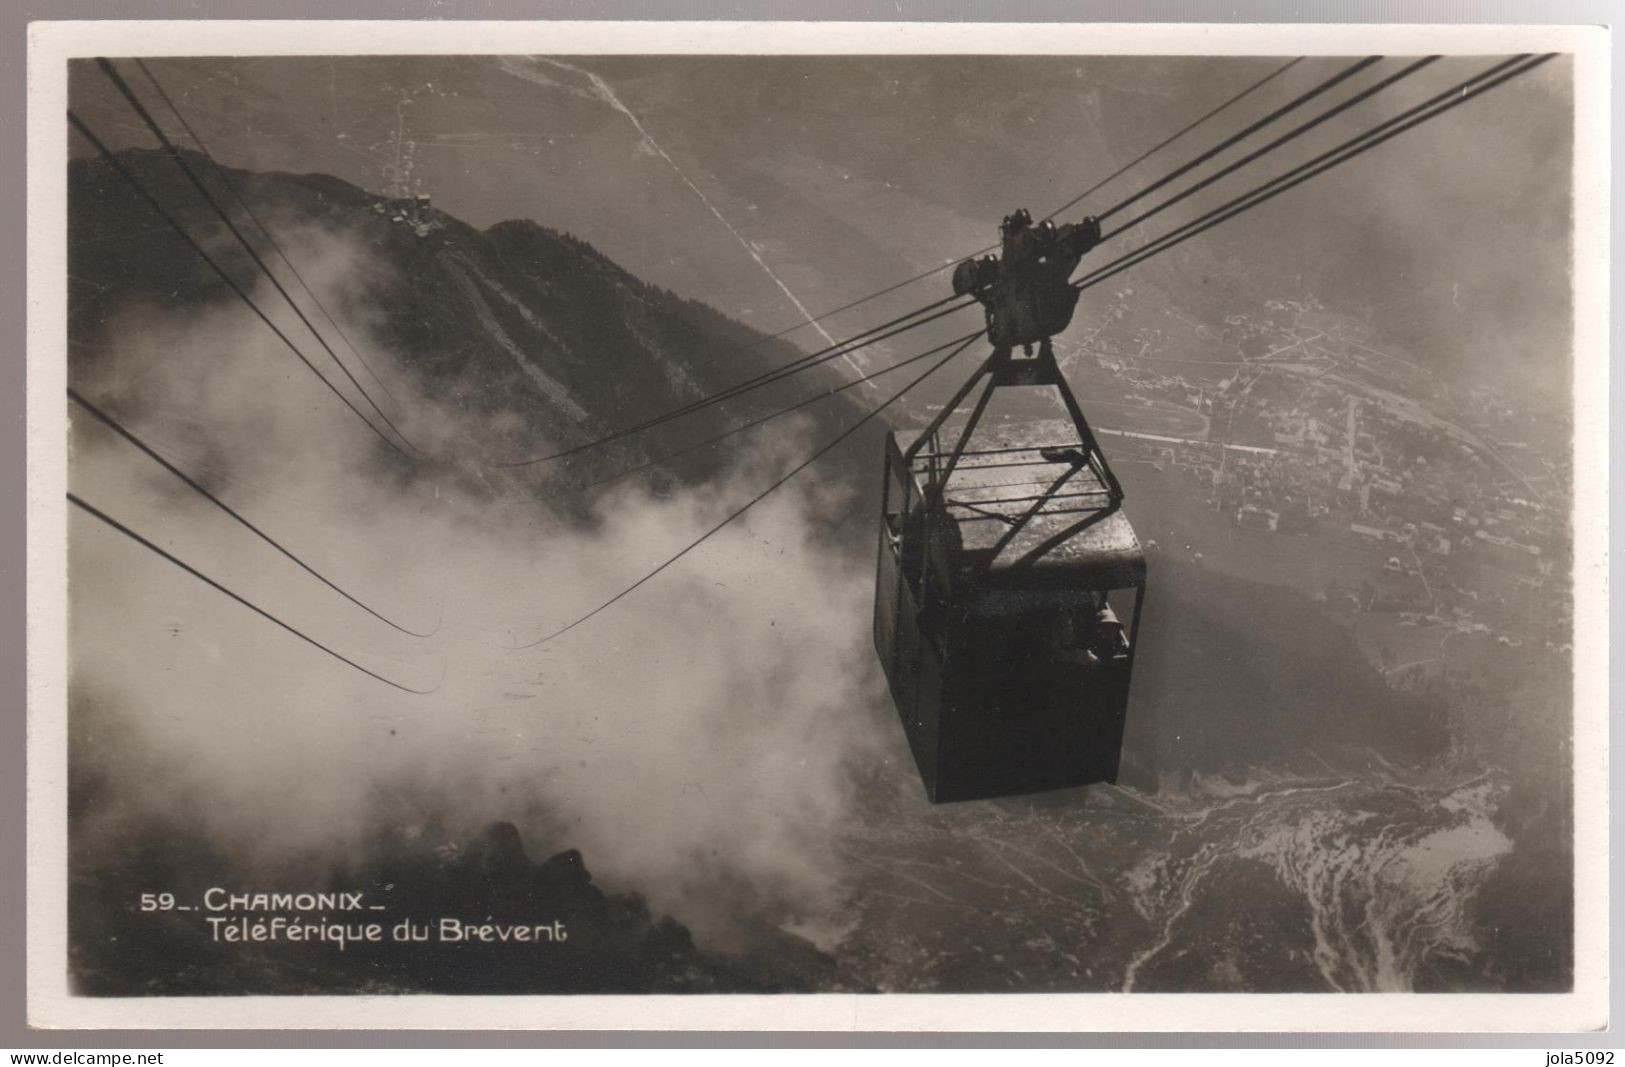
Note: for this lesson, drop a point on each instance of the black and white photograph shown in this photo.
(732, 513)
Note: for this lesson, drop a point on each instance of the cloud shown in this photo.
(695, 741)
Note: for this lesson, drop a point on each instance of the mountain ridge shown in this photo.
(570, 345)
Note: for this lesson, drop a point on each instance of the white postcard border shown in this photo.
(51, 1004)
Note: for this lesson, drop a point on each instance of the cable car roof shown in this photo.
(1073, 536)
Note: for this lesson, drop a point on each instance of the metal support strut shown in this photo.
(1004, 369)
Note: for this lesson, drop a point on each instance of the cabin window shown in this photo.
(898, 495)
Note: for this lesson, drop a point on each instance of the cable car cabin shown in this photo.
(1007, 569)
(1008, 644)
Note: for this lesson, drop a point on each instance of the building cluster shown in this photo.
(1462, 515)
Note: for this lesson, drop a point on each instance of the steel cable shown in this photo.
(1286, 138)
(225, 217)
(1292, 105)
(242, 202)
(1411, 117)
(175, 224)
(832, 352)
(113, 424)
(255, 608)
(758, 498)
(749, 385)
(668, 457)
(1119, 172)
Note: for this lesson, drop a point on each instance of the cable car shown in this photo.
(1008, 588)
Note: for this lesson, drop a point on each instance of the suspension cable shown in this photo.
(759, 497)
(1297, 102)
(194, 572)
(242, 202)
(668, 457)
(1118, 173)
(175, 224)
(835, 351)
(1165, 142)
(1408, 119)
(113, 424)
(248, 246)
(865, 338)
(751, 384)
(1291, 105)
(1289, 136)
(1355, 146)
